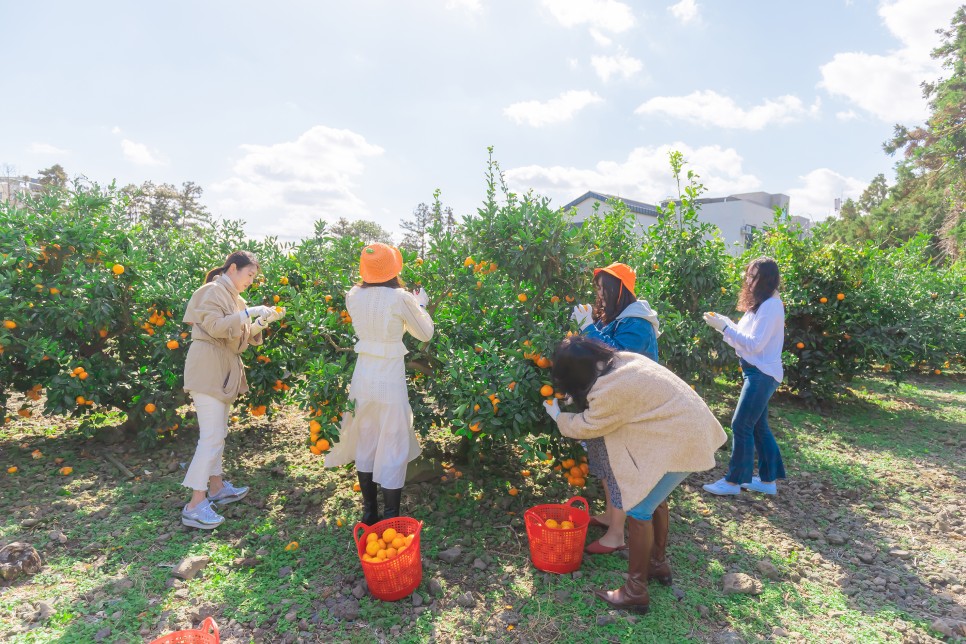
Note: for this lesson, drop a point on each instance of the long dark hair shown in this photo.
(240, 258)
(577, 363)
(614, 298)
(393, 283)
(762, 286)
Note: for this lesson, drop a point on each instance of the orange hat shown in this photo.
(623, 272)
(380, 263)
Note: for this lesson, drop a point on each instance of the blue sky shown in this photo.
(289, 112)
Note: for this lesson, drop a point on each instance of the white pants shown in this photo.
(213, 428)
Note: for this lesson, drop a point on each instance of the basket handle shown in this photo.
(579, 499)
(355, 531)
(209, 625)
(532, 517)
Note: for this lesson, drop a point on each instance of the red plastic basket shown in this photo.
(557, 550)
(200, 635)
(395, 578)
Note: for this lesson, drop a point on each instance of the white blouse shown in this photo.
(758, 337)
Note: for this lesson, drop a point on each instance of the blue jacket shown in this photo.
(636, 329)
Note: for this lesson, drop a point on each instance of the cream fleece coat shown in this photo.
(218, 337)
(652, 423)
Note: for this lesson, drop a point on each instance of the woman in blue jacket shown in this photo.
(619, 320)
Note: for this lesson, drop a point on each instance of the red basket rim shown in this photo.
(371, 529)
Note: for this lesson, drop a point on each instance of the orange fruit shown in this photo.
(554, 299)
(584, 469)
(546, 391)
(511, 386)
(66, 471)
(569, 298)
(522, 297)
(339, 522)
(12, 469)
(476, 408)
(79, 400)
(102, 333)
(389, 534)
(150, 408)
(10, 324)
(567, 525)
(118, 269)
(800, 345)
(840, 297)
(276, 299)
(292, 546)
(283, 281)
(172, 344)
(468, 261)
(322, 444)
(543, 363)
(551, 523)
(823, 300)
(372, 548)
(513, 491)
(54, 290)
(82, 375)
(576, 472)
(475, 427)
(356, 487)
(569, 463)
(315, 450)
(937, 371)
(524, 473)
(578, 481)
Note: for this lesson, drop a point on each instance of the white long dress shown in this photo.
(379, 434)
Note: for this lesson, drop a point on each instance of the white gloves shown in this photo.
(552, 408)
(267, 316)
(421, 297)
(257, 311)
(583, 314)
(717, 321)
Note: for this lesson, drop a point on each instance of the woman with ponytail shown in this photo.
(223, 326)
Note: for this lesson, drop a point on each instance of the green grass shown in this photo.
(863, 467)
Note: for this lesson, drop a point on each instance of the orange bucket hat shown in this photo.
(380, 263)
(623, 272)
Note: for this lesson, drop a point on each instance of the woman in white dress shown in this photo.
(378, 435)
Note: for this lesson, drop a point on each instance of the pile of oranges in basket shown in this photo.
(386, 546)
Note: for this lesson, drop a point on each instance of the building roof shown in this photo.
(637, 207)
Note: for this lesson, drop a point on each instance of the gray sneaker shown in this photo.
(228, 494)
(202, 516)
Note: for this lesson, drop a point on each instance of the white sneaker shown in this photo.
(228, 494)
(722, 487)
(757, 486)
(202, 516)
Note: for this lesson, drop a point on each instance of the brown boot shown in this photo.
(660, 569)
(633, 594)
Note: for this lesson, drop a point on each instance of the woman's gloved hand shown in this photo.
(552, 408)
(273, 314)
(258, 311)
(717, 321)
(422, 298)
(583, 314)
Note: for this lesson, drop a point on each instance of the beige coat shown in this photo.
(652, 423)
(218, 337)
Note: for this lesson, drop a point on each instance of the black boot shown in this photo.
(370, 498)
(391, 500)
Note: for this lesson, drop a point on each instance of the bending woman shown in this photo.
(657, 431)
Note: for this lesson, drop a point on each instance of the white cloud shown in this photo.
(621, 64)
(139, 154)
(282, 189)
(115, 130)
(710, 109)
(556, 110)
(846, 115)
(600, 38)
(685, 11)
(472, 6)
(644, 176)
(888, 85)
(607, 15)
(47, 149)
(815, 196)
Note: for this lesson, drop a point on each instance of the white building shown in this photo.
(13, 189)
(738, 217)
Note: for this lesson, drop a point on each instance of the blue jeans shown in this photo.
(750, 432)
(644, 510)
